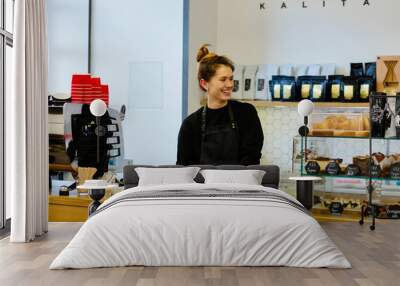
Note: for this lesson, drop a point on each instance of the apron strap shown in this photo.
(203, 120)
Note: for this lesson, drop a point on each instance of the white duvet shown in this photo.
(200, 231)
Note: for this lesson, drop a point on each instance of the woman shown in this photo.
(223, 131)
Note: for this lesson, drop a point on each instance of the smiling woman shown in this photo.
(223, 131)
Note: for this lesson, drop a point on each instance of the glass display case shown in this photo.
(340, 124)
(343, 162)
(357, 153)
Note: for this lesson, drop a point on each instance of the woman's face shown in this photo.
(220, 86)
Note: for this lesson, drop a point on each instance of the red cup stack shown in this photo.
(85, 89)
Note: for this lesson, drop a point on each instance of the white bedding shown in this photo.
(200, 231)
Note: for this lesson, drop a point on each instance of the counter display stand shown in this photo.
(370, 206)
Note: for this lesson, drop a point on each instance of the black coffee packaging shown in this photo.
(356, 69)
(311, 87)
(283, 88)
(318, 91)
(334, 88)
(350, 89)
(370, 71)
(365, 86)
(275, 88)
(380, 120)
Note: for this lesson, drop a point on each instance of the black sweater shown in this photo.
(251, 136)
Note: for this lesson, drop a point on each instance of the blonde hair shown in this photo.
(209, 63)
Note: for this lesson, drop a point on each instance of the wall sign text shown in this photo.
(305, 4)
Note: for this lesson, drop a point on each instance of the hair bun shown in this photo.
(204, 53)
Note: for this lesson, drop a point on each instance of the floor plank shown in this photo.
(375, 257)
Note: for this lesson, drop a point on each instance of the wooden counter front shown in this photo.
(68, 208)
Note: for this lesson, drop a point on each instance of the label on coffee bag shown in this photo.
(395, 171)
(335, 91)
(317, 91)
(364, 91)
(375, 171)
(247, 84)
(277, 91)
(305, 90)
(353, 170)
(312, 168)
(287, 91)
(348, 92)
(332, 168)
(260, 84)
(235, 86)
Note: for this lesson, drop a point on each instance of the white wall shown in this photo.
(67, 29)
(334, 34)
(137, 50)
(202, 30)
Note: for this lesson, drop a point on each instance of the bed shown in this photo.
(201, 224)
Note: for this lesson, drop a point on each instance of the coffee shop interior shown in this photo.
(119, 78)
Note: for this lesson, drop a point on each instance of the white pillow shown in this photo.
(248, 177)
(166, 176)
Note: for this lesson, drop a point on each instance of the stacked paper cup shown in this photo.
(81, 87)
(104, 93)
(85, 89)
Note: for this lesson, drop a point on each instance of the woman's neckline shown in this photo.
(217, 108)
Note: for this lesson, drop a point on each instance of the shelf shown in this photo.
(286, 104)
(350, 177)
(387, 138)
(337, 137)
(264, 103)
(322, 214)
(388, 197)
(357, 195)
(353, 137)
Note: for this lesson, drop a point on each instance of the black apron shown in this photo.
(220, 143)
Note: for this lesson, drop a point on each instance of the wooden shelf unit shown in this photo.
(266, 104)
(263, 103)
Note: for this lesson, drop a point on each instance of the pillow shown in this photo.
(248, 177)
(166, 176)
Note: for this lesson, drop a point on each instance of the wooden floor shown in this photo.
(375, 257)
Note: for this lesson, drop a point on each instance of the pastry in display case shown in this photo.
(340, 124)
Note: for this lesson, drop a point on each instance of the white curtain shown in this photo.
(27, 148)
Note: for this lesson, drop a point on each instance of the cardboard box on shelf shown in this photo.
(388, 74)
